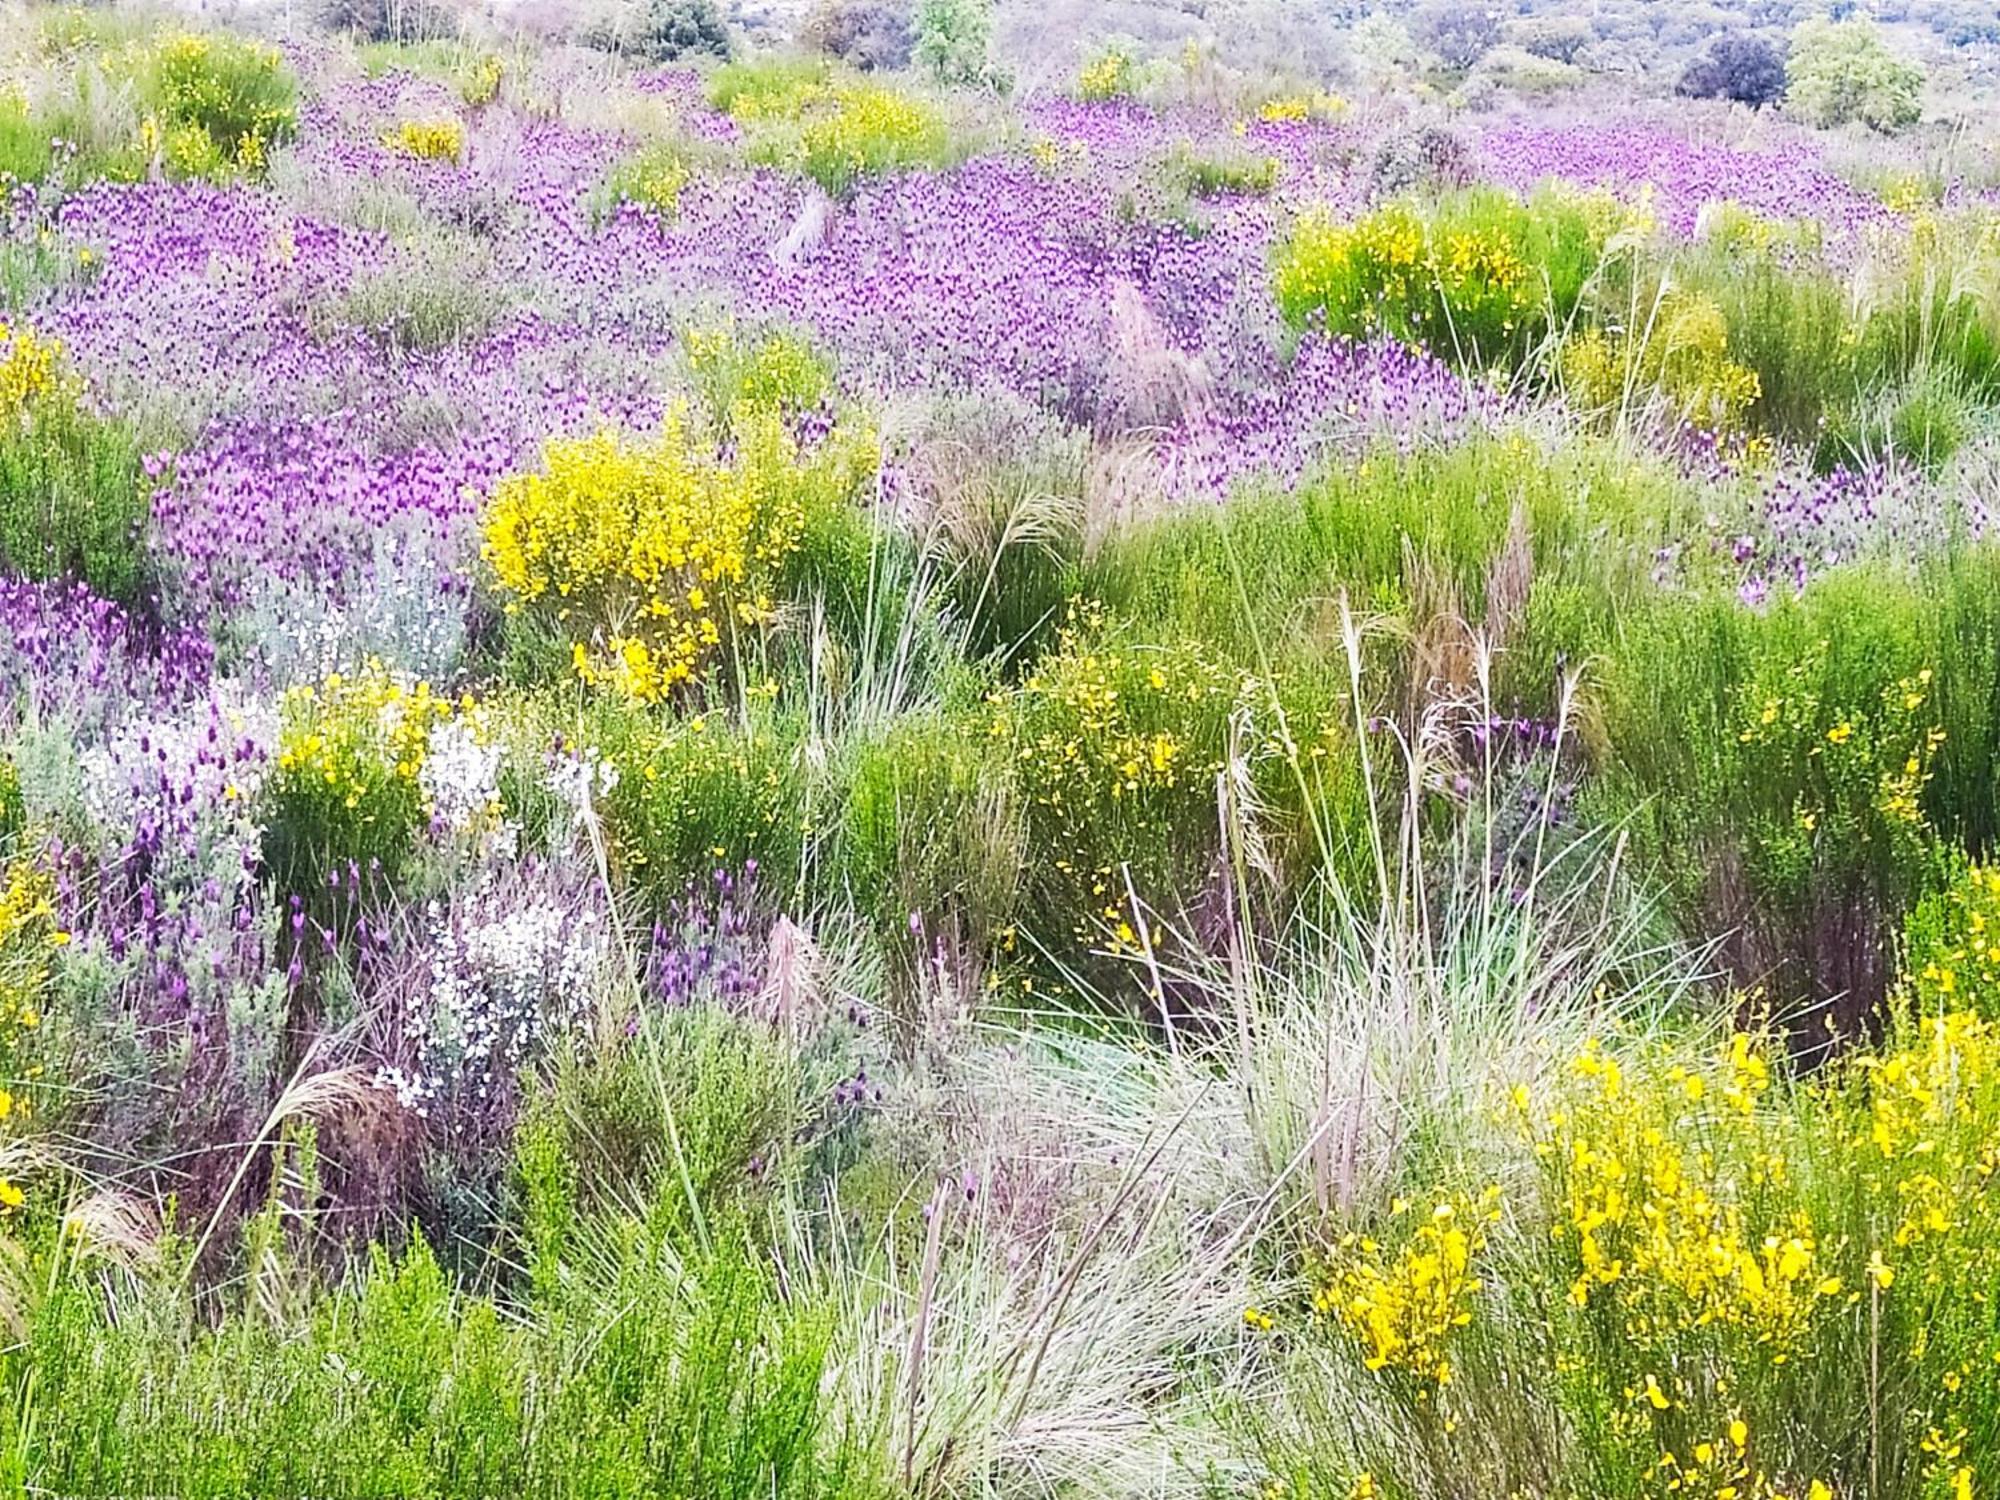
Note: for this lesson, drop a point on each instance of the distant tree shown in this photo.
(872, 35)
(1380, 51)
(1738, 66)
(674, 29)
(1460, 34)
(1557, 38)
(1843, 71)
(953, 37)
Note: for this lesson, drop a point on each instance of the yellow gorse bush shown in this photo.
(646, 555)
(1682, 353)
(351, 731)
(31, 370)
(1296, 107)
(1673, 1213)
(1109, 75)
(836, 132)
(1953, 946)
(480, 84)
(866, 129)
(442, 139)
(1117, 749)
(215, 104)
(1404, 1305)
(1714, 1238)
(348, 784)
(1478, 276)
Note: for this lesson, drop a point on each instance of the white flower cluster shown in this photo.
(502, 988)
(578, 778)
(461, 781)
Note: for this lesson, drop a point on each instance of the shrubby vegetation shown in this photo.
(1738, 66)
(1841, 72)
(772, 777)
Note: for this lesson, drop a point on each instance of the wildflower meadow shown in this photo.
(881, 751)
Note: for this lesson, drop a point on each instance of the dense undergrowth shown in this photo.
(701, 795)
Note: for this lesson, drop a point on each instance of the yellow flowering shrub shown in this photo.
(700, 793)
(1109, 75)
(835, 133)
(1673, 1215)
(31, 371)
(213, 104)
(1922, 1132)
(1726, 1245)
(1852, 773)
(1299, 107)
(479, 84)
(1116, 749)
(646, 556)
(653, 180)
(1682, 354)
(441, 139)
(865, 130)
(1403, 1304)
(72, 494)
(348, 784)
(1951, 945)
(1479, 278)
(777, 371)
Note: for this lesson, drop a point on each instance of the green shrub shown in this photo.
(952, 40)
(1433, 532)
(676, 29)
(1788, 323)
(773, 87)
(13, 811)
(700, 792)
(74, 500)
(1801, 770)
(1951, 946)
(1220, 174)
(1842, 72)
